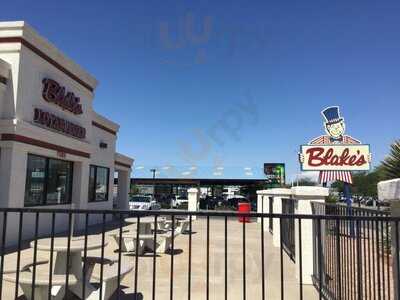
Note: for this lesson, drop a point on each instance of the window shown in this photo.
(48, 181)
(59, 181)
(98, 183)
(35, 181)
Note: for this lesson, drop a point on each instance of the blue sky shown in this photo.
(248, 91)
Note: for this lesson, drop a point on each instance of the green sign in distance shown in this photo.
(275, 173)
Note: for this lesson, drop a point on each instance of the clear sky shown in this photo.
(238, 82)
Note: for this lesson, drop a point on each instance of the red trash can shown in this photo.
(244, 207)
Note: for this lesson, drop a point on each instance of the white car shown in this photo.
(142, 202)
(179, 200)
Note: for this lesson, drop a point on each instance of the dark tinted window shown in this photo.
(59, 182)
(48, 181)
(92, 183)
(98, 183)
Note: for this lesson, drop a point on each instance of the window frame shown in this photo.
(92, 194)
(46, 183)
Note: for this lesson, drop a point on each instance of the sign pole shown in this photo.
(347, 196)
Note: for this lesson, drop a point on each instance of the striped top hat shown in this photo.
(332, 115)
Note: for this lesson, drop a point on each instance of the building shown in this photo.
(165, 188)
(213, 181)
(55, 150)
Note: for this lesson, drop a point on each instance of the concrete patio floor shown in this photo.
(199, 266)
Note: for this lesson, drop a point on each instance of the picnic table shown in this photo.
(145, 224)
(75, 266)
(163, 223)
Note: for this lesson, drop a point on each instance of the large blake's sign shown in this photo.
(335, 157)
(335, 154)
(54, 93)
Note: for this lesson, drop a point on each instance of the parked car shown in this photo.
(180, 201)
(143, 202)
(165, 201)
(368, 202)
(210, 203)
(203, 203)
(381, 203)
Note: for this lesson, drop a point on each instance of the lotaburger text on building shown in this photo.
(59, 124)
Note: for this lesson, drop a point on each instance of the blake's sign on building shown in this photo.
(53, 92)
(335, 157)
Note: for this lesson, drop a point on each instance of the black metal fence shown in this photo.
(288, 234)
(356, 253)
(271, 211)
(79, 264)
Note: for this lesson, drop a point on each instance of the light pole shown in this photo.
(154, 181)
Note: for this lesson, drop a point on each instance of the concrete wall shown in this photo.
(5, 89)
(302, 197)
(8, 103)
(33, 70)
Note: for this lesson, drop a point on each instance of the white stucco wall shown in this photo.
(103, 158)
(7, 107)
(19, 98)
(33, 70)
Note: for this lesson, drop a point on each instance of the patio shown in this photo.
(198, 266)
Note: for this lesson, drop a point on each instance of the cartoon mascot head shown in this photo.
(334, 123)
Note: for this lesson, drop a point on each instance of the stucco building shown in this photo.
(55, 150)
